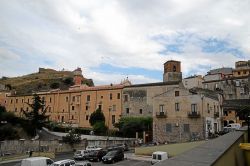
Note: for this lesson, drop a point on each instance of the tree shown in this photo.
(54, 85)
(96, 116)
(72, 137)
(37, 116)
(97, 121)
(130, 125)
(100, 128)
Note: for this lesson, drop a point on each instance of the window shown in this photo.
(208, 110)
(28, 100)
(186, 128)
(63, 110)
(49, 162)
(73, 98)
(49, 109)
(214, 108)
(72, 117)
(100, 107)
(15, 109)
(78, 98)
(67, 164)
(238, 72)
(87, 117)
(194, 107)
(127, 110)
(50, 100)
(113, 119)
(168, 127)
(67, 99)
(21, 109)
(87, 108)
(27, 108)
(88, 97)
(140, 111)
(110, 96)
(174, 68)
(177, 93)
(16, 100)
(245, 72)
(118, 95)
(114, 107)
(11, 101)
(125, 98)
(22, 100)
(161, 108)
(62, 119)
(73, 108)
(177, 107)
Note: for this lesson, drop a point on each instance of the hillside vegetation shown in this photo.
(44, 80)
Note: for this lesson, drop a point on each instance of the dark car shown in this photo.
(124, 147)
(113, 156)
(96, 155)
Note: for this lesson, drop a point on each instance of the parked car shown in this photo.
(96, 155)
(233, 126)
(158, 156)
(93, 148)
(113, 156)
(85, 163)
(124, 146)
(66, 162)
(37, 161)
(114, 147)
(81, 154)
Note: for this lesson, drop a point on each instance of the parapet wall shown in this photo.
(223, 150)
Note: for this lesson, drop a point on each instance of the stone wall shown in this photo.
(21, 147)
(177, 133)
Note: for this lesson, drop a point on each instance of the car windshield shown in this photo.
(111, 153)
(78, 152)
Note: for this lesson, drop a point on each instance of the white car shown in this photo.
(66, 162)
(81, 154)
(85, 163)
(93, 148)
(37, 161)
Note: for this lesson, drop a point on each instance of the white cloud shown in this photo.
(88, 33)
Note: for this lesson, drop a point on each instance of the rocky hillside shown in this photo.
(43, 80)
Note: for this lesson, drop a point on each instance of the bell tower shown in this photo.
(172, 71)
(78, 77)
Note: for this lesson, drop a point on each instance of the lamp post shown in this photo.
(248, 130)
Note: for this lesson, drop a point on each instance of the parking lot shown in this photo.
(120, 163)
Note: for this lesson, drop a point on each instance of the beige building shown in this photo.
(75, 106)
(180, 115)
(193, 82)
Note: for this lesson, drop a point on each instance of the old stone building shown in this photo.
(233, 84)
(181, 115)
(138, 99)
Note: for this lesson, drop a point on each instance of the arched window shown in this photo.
(174, 68)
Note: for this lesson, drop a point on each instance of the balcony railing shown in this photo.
(161, 114)
(195, 114)
(216, 115)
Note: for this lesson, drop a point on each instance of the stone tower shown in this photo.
(78, 78)
(172, 71)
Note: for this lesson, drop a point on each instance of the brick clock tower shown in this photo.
(78, 78)
(172, 71)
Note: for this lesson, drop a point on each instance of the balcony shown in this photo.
(195, 114)
(216, 115)
(161, 114)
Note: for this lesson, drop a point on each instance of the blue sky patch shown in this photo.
(213, 45)
(107, 68)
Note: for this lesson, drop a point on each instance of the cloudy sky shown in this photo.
(113, 39)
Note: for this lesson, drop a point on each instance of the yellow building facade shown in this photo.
(74, 106)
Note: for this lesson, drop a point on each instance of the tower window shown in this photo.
(177, 93)
(174, 68)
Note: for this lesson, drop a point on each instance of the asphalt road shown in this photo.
(70, 155)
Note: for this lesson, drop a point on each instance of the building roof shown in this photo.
(237, 104)
(223, 70)
(154, 84)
